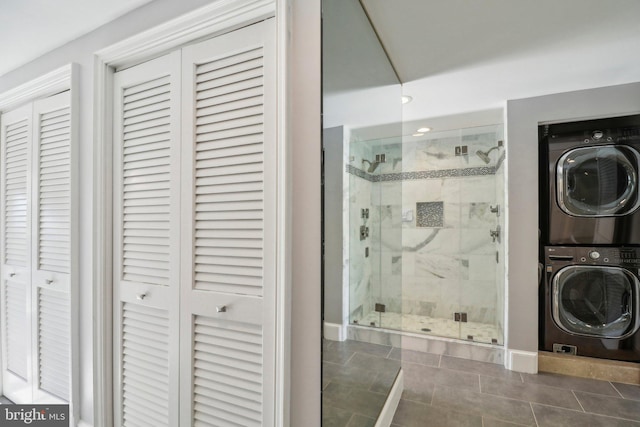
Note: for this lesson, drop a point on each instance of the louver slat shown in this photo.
(15, 327)
(145, 366)
(229, 174)
(146, 182)
(227, 373)
(54, 342)
(54, 186)
(15, 193)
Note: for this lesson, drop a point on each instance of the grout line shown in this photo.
(349, 359)
(534, 414)
(495, 418)
(521, 377)
(579, 403)
(591, 414)
(433, 393)
(614, 387)
(389, 353)
(419, 402)
(353, 414)
(439, 361)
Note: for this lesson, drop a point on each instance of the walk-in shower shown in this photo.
(432, 262)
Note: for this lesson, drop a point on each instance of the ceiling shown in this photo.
(456, 57)
(35, 27)
(427, 38)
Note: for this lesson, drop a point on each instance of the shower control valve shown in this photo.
(364, 232)
(495, 234)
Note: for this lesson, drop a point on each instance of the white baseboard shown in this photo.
(522, 361)
(391, 404)
(334, 332)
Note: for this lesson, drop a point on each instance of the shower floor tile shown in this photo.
(480, 332)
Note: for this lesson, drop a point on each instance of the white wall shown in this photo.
(523, 117)
(306, 251)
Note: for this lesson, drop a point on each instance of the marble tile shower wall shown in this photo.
(445, 260)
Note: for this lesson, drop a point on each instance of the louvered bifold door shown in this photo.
(51, 248)
(146, 241)
(15, 237)
(228, 263)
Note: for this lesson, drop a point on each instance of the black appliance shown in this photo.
(590, 182)
(592, 302)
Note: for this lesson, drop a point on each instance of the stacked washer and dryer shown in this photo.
(590, 238)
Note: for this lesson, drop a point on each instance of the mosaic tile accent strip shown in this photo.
(405, 176)
(361, 174)
(430, 214)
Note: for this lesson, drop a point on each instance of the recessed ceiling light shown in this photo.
(423, 130)
(418, 134)
(406, 99)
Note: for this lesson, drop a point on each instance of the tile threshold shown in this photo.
(587, 367)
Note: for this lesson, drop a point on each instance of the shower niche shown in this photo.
(432, 261)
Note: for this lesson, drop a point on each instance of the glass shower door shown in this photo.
(387, 237)
(481, 236)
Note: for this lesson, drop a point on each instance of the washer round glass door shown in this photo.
(596, 301)
(598, 181)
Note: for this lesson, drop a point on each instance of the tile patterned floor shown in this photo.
(443, 391)
(356, 379)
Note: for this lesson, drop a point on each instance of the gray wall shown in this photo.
(523, 117)
(333, 233)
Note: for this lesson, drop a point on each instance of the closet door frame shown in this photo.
(56, 81)
(215, 19)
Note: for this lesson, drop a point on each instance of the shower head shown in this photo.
(484, 155)
(372, 165)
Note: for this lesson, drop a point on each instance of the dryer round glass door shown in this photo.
(598, 181)
(596, 301)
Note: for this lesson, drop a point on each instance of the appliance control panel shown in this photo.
(625, 256)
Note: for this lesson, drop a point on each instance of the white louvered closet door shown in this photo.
(16, 253)
(146, 243)
(51, 248)
(228, 234)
